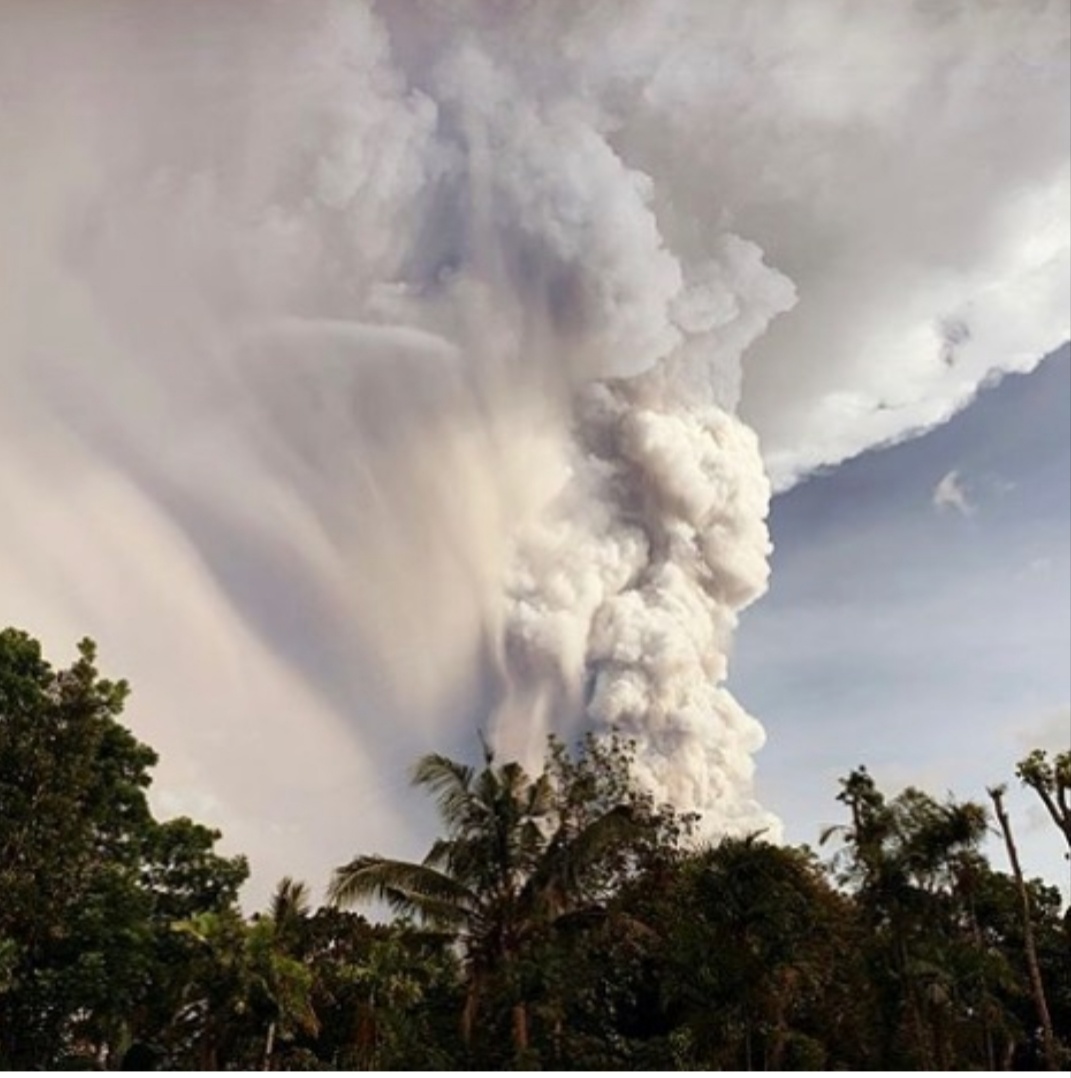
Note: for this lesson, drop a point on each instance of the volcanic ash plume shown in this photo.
(621, 589)
(416, 340)
(605, 365)
(624, 599)
(624, 594)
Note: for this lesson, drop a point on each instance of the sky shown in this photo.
(374, 374)
(923, 634)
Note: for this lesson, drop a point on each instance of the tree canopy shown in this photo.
(561, 919)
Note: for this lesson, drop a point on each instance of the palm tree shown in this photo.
(288, 911)
(904, 855)
(1037, 986)
(241, 974)
(284, 979)
(753, 939)
(516, 860)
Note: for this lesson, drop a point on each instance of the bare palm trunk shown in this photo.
(918, 1028)
(987, 1040)
(779, 1038)
(984, 1010)
(912, 1002)
(210, 1049)
(367, 1034)
(1036, 985)
(520, 1028)
(269, 1046)
(940, 1040)
(469, 1011)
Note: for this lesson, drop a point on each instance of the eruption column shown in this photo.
(411, 337)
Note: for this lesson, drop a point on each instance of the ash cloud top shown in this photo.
(372, 368)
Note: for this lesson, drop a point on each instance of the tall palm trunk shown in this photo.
(910, 999)
(367, 1034)
(1036, 984)
(470, 1009)
(210, 1047)
(269, 1046)
(519, 1023)
(984, 1010)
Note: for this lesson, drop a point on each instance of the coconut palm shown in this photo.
(1037, 986)
(516, 860)
(284, 980)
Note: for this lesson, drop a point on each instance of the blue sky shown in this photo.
(930, 642)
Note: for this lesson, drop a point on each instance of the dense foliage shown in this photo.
(562, 920)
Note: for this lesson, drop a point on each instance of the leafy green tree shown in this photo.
(89, 879)
(282, 987)
(564, 916)
(996, 900)
(384, 997)
(776, 928)
(521, 855)
(750, 962)
(185, 875)
(73, 824)
(903, 858)
(238, 989)
(1051, 781)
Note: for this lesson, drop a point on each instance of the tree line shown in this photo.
(561, 920)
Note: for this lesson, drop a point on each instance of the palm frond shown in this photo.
(569, 859)
(406, 887)
(447, 916)
(514, 780)
(829, 831)
(440, 854)
(541, 796)
(605, 832)
(290, 900)
(449, 782)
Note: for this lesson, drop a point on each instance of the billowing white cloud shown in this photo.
(372, 368)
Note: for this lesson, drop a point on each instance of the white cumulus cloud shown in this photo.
(950, 493)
